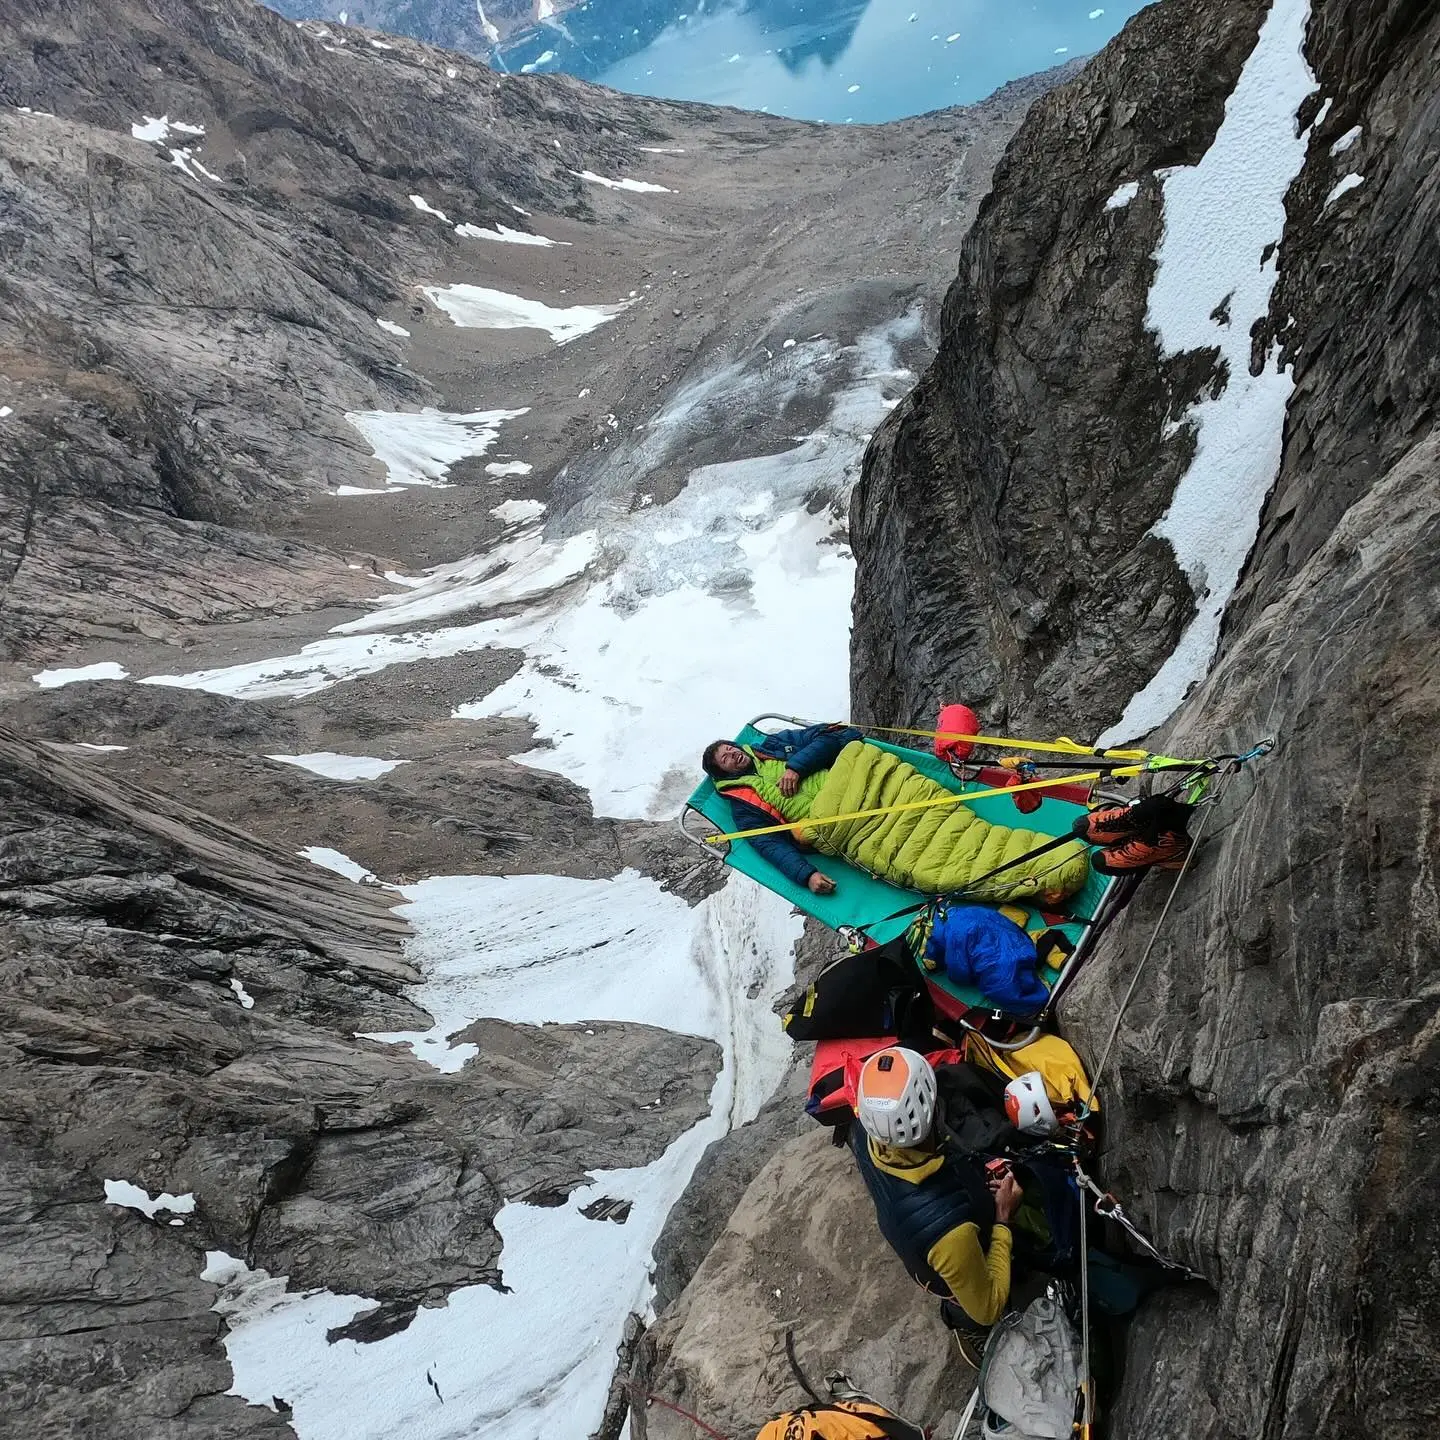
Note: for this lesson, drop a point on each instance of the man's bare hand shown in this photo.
(1008, 1196)
(821, 884)
(789, 782)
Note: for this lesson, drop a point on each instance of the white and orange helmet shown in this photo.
(895, 1099)
(1028, 1105)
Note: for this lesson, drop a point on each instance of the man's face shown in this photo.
(732, 760)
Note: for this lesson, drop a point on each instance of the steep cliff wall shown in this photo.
(1273, 1086)
(179, 1011)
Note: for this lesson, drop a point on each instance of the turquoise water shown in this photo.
(859, 61)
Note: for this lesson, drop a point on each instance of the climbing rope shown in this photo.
(648, 1398)
(1087, 1378)
(1084, 1183)
(1061, 745)
(1209, 804)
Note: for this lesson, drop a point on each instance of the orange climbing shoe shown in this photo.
(1111, 826)
(1166, 852)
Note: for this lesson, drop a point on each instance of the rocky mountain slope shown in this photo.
(181, 1008)
(452, 24)
(206, 211)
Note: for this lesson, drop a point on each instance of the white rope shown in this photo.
(1155, 934)
(969, 1414)
(1088, 1384)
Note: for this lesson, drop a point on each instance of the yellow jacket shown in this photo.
(978, 1280)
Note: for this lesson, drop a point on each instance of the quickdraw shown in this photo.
(1108, 1207)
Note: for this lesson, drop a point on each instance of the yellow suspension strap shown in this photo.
(813, 824)
(1063, 745)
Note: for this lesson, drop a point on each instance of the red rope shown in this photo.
(650, 1399)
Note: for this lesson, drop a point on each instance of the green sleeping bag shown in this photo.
(938, 850)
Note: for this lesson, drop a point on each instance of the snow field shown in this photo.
(419, 449)
(486, 1366)
(636, 187)
(340, 767)
(1221, 215)
(504, 946)
(475, 307)
(337, 862)
(505, 235)
(518, 512)
(105, 670)
(641, 631)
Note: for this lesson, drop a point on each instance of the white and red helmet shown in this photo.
(1029, 1107)
(895, 1099)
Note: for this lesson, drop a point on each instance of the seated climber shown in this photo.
(775, 781)
(933, 1203)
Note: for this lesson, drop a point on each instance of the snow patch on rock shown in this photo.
(1344, 187)
(419, 449)
(1346, 140)
(517, 512)
(505, 235)
(104, 670)
(1221, 217)
(638, 187)
(132, 1197)
(340, 767)
(475, 307)
(336, 861)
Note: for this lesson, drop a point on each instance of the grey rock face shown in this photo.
(1271, 1093)
(799, 1252)
(126, 1053)
(1001, 522)
(1272, 1088)
(183, 323)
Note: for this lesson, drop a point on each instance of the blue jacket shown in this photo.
(804, 751)
(980, 947)
(913, 1217)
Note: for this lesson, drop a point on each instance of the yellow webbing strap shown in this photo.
(1063, 745)
(1083, 778)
